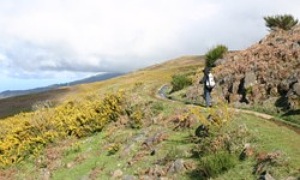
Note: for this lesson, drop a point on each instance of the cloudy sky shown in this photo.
(51, 41)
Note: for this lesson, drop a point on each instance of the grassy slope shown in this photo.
(90, 158)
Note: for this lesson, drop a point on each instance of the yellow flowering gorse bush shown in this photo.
(27, 133)
(215, 117)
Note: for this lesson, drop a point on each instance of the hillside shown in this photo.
(122, 128)
(153, 138)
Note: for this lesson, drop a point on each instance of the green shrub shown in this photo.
(136, 119)
(136, 115)
(180, 81)
(216, 164)
(75, 148)
(215, 53)
(285, 22)
(113, 149)
(157, 107)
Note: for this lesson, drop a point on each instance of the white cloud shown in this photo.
(117, 29)
(121, 35)
(2, 57)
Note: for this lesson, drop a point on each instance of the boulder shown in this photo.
(296, 88)
(220, 62)
(250, 80)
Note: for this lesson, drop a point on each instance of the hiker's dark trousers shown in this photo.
(207, 97)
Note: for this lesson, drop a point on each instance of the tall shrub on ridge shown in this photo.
(215, 53)
(284, 22)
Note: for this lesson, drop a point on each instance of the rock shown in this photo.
(272, 65)
(45, 174)
(296, 88)
(126, 151)
(117, 173)
(176, 167)
(256, 93)
(295, 46)
(291, 178)
(202, 131)
(274, 91)
(280, 40)
(266, 176)
(146, 177)
(240, 105)
(264, 160)
(156, 171)
(250, 80)
(284, 86)
(234, 98)
(235, 87)
(129, 177)
(163, 178)
(248, 151)
(70, 165)
(85, 177)
(140, 137)
(171, 169)
(179, 165)
(220, 62)
(157, 138)
(293, 101)
(237, 58)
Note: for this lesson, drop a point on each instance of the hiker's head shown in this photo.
(206, 70)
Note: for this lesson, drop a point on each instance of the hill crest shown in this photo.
(267, 71)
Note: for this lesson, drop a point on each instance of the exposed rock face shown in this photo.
(268, 69)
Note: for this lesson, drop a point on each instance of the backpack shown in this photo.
(210, 81)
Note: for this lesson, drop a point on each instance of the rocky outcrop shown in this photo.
(268, 69)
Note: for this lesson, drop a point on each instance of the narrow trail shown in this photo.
(161, 94)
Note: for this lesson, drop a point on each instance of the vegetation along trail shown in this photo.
(162, 94)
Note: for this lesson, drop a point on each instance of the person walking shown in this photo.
(209, 83)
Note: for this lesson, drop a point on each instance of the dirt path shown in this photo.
(161, 94)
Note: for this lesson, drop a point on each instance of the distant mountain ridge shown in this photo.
(98, 77)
